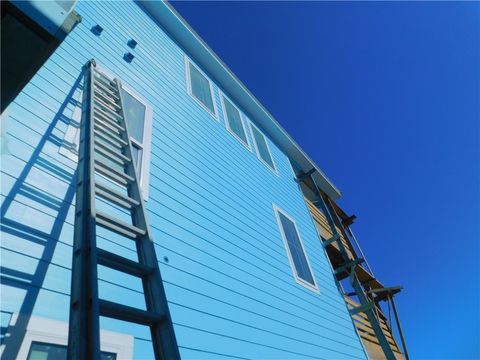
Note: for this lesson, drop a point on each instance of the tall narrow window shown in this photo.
(135, 112)
(234, 121)
(200, 87)
(138, 116)
(262, 148)
(297, 256)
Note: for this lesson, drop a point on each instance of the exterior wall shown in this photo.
(227, 276)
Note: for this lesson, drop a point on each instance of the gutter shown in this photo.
(168, 18)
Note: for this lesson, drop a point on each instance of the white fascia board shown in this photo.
(164, 14)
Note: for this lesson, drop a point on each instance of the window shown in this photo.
(262, 148)
(138, 116)
(234, 121)
(200, 87)
(297, 256)
(45, 351)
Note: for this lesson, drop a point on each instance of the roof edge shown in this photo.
(186, 37)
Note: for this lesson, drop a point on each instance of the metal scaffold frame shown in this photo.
(367, 306)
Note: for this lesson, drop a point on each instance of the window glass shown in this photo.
(44, 351)
(135, 115)
(234, 120)
(295, 248)
(262, 147)
(137, 158)
(200, 87)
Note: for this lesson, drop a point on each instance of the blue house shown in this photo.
(253, 257)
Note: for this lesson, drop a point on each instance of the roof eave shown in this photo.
(185, 36)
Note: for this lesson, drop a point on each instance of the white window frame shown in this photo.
(242, 119)
(71, 140)
(190, 92)
(274, 169)
(55, 332)
(144, 175)
(306, 284)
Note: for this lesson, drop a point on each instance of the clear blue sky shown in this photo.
(385, 97)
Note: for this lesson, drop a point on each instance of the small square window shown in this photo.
(234, 121)
(262, 148)
(297, 255)
(200, 87)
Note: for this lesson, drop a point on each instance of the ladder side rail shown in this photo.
(163, 335)
(364, 301)
(84, 328)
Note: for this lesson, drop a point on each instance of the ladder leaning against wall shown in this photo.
(106, 171)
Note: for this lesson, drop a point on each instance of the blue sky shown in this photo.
(385, 97)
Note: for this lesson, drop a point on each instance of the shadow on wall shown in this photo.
(29, 279)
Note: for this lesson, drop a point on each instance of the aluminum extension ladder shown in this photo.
(104, 132)
(366, 306)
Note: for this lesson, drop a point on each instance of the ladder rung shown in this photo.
(103, 78)
(122, 264)
(110, 91)
(101, 127)
(107, 108)
(118, 226)
(106, 95)
(106, 100)
(107, 136)
(109, 155)
(108, 126)
(128, 313)
(114, 196)
(100, 116)
(112, 151)
(105, 91)
(111, 115)
(112, 174)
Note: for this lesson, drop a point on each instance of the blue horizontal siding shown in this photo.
(228, 280)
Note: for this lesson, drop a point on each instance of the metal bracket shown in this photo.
(349, 266)
(360, 309)
(334, 238)
(302, 176)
